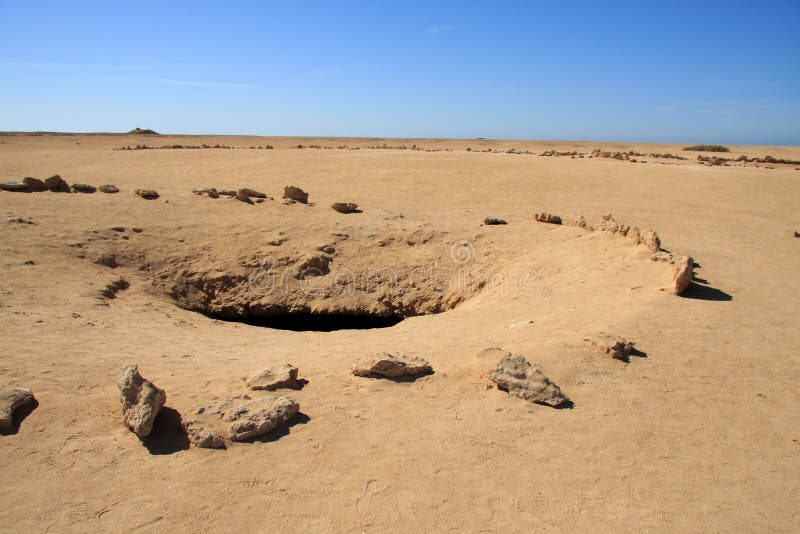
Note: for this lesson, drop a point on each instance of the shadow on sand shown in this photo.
(285, 430)
(168, 435)
(698, 291)
(635, 353)
(399, 379)
(19, 416)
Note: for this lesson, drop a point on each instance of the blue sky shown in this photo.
(716, 72)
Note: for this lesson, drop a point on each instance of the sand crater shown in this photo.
(310, 278)
(305, 279)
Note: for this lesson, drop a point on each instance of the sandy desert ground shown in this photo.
(699, 432)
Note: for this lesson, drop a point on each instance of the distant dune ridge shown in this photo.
(140, 131)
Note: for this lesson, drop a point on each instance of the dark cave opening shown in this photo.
(318, 322)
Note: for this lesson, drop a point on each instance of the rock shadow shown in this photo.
(284, 430)
(566, 405)
(636, 353)
(168, 435)
(18, 417)
(698, 291)
(399, 379)
(301, 383)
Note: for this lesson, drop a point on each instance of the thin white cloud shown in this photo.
(85, 67)
(66, 66)
(433, 30)
(142, 80)
(189, 83)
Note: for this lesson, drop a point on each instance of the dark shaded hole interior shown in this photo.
(319, 322)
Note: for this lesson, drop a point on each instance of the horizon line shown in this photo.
(9, 133)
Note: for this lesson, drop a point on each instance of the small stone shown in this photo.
(252, 193)
(14, 187)
(634, 235)
(295, 193)
(211, 192)
(493, 221)
(147, 194)
(109, 188)
(516, 375)
(327, 249)
(275, 240)
(272, 378)
(651, 241)
(388, 365)
(141, 400)
(345, 207)
(10, 400)
(136, 230)
(617, 347)
(607, 224)
(682, 272)
(547, 218)
(83, 188)
(241, 196)
(35, 185)
(56, 184)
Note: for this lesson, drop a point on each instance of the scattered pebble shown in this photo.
(345, 207)
(385, 365)
(547, 218)
(272, 378)
(147, 194)
(14, 187)
(295, 193)
(617, 347)
(83, 188)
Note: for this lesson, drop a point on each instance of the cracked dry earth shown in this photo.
(697, 431)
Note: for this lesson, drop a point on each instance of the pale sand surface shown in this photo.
(701, 435)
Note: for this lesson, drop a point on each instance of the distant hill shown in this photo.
(143, 132)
